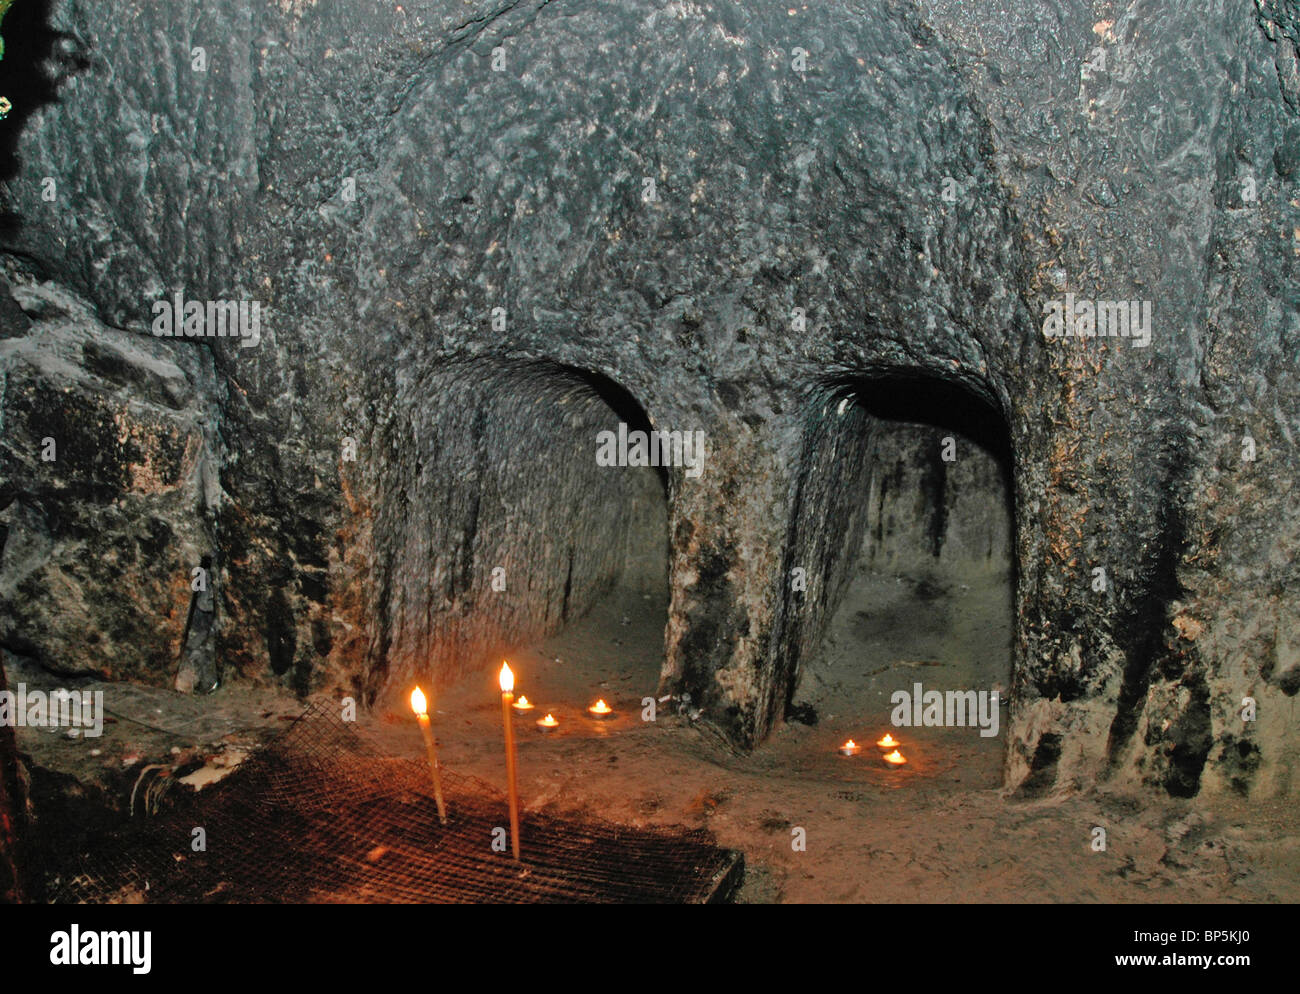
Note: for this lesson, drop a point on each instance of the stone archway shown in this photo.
(510, 529)
(899, 562)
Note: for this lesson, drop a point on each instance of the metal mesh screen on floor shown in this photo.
(318, 815)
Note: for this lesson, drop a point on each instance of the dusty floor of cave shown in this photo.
(938, 830)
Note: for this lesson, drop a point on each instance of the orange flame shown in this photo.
(895, 757)
(418, 704)
(600, 707)
(548, 721)
(523, 704)
(850, 744)
(888, 742)
(507, 678)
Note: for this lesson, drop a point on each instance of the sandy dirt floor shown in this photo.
(939, 829)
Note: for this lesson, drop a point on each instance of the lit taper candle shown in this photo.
(507, 698)
(421, 709)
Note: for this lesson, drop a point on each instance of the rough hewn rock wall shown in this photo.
(722, 207)
(108, 495)
(1169, 178)
(826, 526)
(509, 528)
(928, 513)
(13, 815)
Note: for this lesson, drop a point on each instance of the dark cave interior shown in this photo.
(694, 357)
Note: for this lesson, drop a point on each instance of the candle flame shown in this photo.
(895, 757)
(522, 702)
(888, 742)
(507, 678)
(549, 720)
(600, 707)
(418, 704)
(850, 744)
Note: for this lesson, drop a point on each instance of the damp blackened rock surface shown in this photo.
(13, 815)
(656, 195)
(108, 461)
(936, 492)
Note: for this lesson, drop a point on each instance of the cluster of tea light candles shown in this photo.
(894, 758)
(600, 710)
(548, 723)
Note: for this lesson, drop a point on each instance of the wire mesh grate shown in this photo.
(320, 815)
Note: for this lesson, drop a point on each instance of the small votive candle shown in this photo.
(850, 748)
(888, 742)
(523, 704)
(547, 724)
(600, 710)
(894, 758)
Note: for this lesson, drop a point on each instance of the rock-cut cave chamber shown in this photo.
(821, 239)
